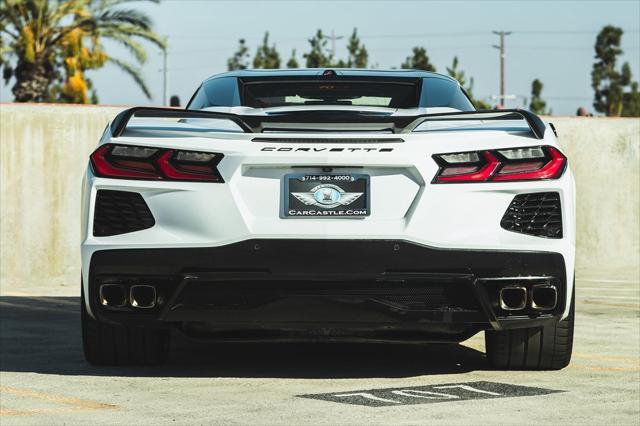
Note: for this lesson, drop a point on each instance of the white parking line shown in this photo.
(607, 281)
(630, 298)
(629, 290)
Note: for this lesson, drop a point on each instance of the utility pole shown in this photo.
(333, 44)
(165, 73)
(502, 34)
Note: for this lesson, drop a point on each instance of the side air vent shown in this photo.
(119, 212)
(328, 140)
(536, 214)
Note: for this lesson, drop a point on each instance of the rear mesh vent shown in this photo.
(328, 140)
(536, 214)
(119, 212)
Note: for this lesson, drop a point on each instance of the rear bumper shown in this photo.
(377, 289)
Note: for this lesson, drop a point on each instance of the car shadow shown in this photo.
(42, 335)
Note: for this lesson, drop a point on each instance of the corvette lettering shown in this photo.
(308, 149)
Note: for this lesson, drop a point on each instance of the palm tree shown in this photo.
(53, 42)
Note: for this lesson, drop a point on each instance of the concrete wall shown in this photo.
(43, 153)
(604, 156)
(44, 150)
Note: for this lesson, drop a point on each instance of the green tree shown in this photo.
(460, 76)
(358, 55)
(49, 45)
(240, 59)
(632, 102)
(266, 56)
(4, 50)
(418, 61)
(293, 62)
(609, 83)
(319, 55)
(537, 105)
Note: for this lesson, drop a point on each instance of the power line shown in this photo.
(569, 98)
(570, 31)
(398, 1)
(180, 52)
(434, 34)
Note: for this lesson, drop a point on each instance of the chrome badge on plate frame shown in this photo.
(327, 196)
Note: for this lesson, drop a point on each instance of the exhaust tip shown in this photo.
(142, 296)
(113, 295)
(513, 298)
(544, 297)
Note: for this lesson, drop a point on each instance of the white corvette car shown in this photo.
(329, 205)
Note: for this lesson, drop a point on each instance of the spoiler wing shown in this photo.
(393, 123)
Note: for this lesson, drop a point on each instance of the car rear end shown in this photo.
(428, 234)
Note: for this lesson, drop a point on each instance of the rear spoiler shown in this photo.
(396, 124)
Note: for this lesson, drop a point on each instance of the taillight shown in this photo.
(137, 162)
(544, 163)
(478, 171)
(530, 163)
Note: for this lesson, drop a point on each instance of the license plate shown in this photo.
(331, 196)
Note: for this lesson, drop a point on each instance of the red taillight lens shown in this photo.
(125, 162)
(550, 166)
(135, 162)
(485, 166)
(179, 165)
(530, 163)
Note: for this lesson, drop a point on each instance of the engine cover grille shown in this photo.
(119, 212)
(536, 214)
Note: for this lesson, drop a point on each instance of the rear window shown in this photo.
(381, 94)
(222, 91)
(272, 92)
(440, 92)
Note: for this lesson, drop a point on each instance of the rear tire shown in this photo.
(110, 344)
(540, 348)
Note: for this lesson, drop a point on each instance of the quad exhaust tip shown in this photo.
(142, 296)
(513, 298)
(113, 295)
(544, 297)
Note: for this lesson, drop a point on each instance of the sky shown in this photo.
(551, 40)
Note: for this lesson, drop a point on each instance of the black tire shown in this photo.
(109, 344)
(540, 348)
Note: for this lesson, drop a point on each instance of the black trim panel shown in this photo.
(365, 280)
(120, 212)
(319, 257)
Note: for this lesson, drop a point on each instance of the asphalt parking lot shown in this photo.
(44, 379)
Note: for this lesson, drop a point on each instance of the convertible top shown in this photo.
(327, 99)
(397, 89)
(328, 72)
